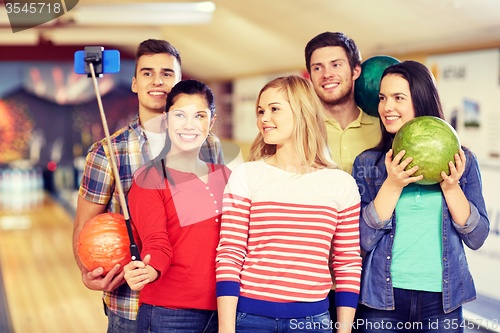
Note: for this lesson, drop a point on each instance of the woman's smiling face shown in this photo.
(395, 104)
(275, 117)
(189, 122)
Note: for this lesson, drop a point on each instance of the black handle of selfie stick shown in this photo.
(134, 251)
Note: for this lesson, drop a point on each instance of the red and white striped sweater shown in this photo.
(280, 231)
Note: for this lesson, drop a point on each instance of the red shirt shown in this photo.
(179, 227)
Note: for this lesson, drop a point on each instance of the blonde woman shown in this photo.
(288, 215)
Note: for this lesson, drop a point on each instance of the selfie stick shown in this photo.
(134, 251)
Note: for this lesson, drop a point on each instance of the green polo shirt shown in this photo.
(345, 144)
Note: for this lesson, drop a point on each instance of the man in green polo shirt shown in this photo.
(334, 63)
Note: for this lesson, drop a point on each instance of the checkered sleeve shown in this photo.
(97, 182)
(211, 150)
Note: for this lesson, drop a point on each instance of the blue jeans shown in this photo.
(249, 323)
(415, 311)
(158, 319)
(117, 324)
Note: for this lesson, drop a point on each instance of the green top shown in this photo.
(417, 252)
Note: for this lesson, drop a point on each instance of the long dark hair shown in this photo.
(423, 93)
(187, 87)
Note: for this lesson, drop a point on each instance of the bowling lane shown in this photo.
(42, 283)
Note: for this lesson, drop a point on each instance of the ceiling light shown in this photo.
(145, 14)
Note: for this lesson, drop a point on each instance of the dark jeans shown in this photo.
(117, 324)
(249, 323)
(415, 311)
(159, 319)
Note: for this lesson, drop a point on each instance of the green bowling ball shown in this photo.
(367, 85)
(432, 143)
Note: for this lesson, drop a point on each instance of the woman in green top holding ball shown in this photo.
(415, 275)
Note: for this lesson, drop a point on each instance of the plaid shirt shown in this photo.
(98, 186)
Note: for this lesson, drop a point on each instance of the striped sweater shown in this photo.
(280, 233)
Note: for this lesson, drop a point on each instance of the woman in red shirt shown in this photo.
(176, 204)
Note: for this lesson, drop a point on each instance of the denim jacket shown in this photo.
(377, 237)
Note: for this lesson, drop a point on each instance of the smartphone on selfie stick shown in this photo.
(104, 61)
(94, 62)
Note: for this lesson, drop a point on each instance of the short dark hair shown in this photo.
(155, 46)
(333, 39)
(423, 91)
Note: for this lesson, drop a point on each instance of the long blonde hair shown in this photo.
(309, 132)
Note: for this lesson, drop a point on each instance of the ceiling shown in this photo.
(250, 37)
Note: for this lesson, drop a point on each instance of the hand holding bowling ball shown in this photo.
(432, 143)
(104, 242)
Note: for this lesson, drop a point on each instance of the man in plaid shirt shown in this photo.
(158, 69)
